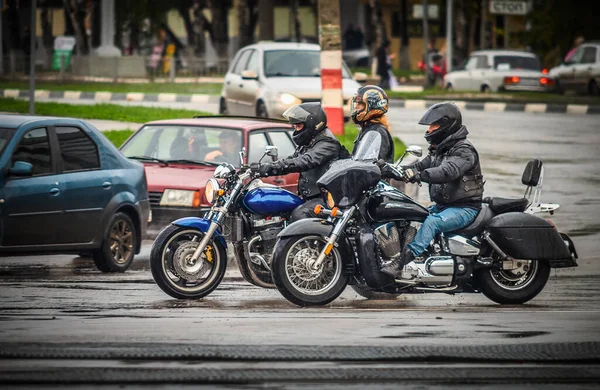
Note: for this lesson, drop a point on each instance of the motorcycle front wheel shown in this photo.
(174, 271)
(514, 287)
(295, 277)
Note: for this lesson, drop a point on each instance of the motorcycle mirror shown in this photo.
(242, 155)
(271, 150)
(415, 150)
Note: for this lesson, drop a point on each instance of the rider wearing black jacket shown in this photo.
(370, 104)
(453, 172)
(316, 148)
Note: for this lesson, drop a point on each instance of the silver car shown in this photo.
(581, 73)
(499, 70)
(267, 78)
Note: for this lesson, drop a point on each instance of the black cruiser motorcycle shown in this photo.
(505, 254)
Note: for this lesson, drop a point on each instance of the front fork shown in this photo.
(338, 229)
(216, 215)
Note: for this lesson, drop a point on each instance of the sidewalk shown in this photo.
(107, 97)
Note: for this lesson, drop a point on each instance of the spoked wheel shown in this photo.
(176, 273)
(514, 286)
(296, 277)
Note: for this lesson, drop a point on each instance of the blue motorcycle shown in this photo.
(189, 257)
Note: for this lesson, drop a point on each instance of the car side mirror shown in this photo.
(415, 150)
(271, 150)
(360, 77)
(21, 168)
(249, 75)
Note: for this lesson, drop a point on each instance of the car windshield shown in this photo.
(516, 63)
(295, 63)
(185, 144)
(5, 136)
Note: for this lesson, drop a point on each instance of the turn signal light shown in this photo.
(196, 200)
(512, 80)
(546, 81)
(335, 212)
(317, 210)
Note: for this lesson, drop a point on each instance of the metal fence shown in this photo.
(115, 68)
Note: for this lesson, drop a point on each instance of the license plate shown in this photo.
(529, 82)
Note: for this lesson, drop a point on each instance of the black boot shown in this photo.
(394, 268)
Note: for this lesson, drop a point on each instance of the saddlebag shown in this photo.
(529, 237)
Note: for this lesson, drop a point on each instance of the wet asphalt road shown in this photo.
(63, 300)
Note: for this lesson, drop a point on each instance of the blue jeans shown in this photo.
(448, 220)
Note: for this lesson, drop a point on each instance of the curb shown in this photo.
(107, 97)
(544, 108)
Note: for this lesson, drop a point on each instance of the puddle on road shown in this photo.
(518, 334)
(32, 271)
(411, 335)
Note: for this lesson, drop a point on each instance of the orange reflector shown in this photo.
(511, 80)
(196, 200)
(335, 212)
(318, 208)
(221, 192)
(328, 248)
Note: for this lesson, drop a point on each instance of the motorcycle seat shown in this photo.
(507, 205)
(483, 217)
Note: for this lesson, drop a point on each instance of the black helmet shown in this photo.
(445, 114)
(312, 115)
(375, 100)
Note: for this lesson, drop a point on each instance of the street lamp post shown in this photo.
(449, 35)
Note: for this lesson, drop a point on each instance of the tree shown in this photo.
(219, 26)
(375, 41)
(266, 20)
(404, 39)
(247, 13)
(297, 25)
(76, 12)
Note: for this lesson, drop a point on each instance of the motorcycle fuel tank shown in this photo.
(271, 201)
(391, 204)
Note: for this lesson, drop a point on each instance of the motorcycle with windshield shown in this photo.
(189, 257)
(506, 253)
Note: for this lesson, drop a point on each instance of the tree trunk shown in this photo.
(184, 12)
(405, 41)
(472, 26)
(297, 24)
(96, 23)
(47, 37)
(245, 36)
(377, 21)
(71, 8)
(219, 27)
(200, 25)
(266, 20)
(482, 25)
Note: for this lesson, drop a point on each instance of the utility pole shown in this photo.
(449, 35)
(426, 41)
(32, 56)
(331, 64)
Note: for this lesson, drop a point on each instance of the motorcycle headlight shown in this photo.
(186, 198)
(212, 190)
(330, 201)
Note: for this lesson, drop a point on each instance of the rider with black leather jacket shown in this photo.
(316, 148)
(453, 172)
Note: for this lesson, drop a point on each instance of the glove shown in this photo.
(266, 170)
(411, 176)
(388, 171)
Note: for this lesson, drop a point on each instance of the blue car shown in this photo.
(64, 188)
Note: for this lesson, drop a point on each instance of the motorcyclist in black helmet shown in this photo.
(316, 148)
(452, 169)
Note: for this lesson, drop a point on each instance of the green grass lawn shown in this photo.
(137, 114)
(152, 88)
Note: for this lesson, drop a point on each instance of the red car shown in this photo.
(180, 155)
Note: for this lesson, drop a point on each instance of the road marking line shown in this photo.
(72, 95)
(577, 109)
(535, 107)
(14, 93)
(42, 94)
(494, 106)
(135, 96)
(167, 97)
(103, 96)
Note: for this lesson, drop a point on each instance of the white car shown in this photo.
(581, 72)
(500, 70)
(267, 78)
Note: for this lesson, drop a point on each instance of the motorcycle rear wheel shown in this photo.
(168, 262)
(294, 278)
(513, 288)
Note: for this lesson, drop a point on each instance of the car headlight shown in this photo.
(288, 99)
(185, 198)
(330, 201)
(212, 190)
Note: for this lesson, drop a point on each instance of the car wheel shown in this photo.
(593, 88)
(449, 87)
(223, 107)
(118, 247)
(485, 88)
(261, 110)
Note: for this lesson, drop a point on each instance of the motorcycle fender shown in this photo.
(307, 226)
(318, 226)
(200, 224)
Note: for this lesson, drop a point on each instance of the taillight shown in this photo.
(546, 81)
(545, 71)
(512, 80)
